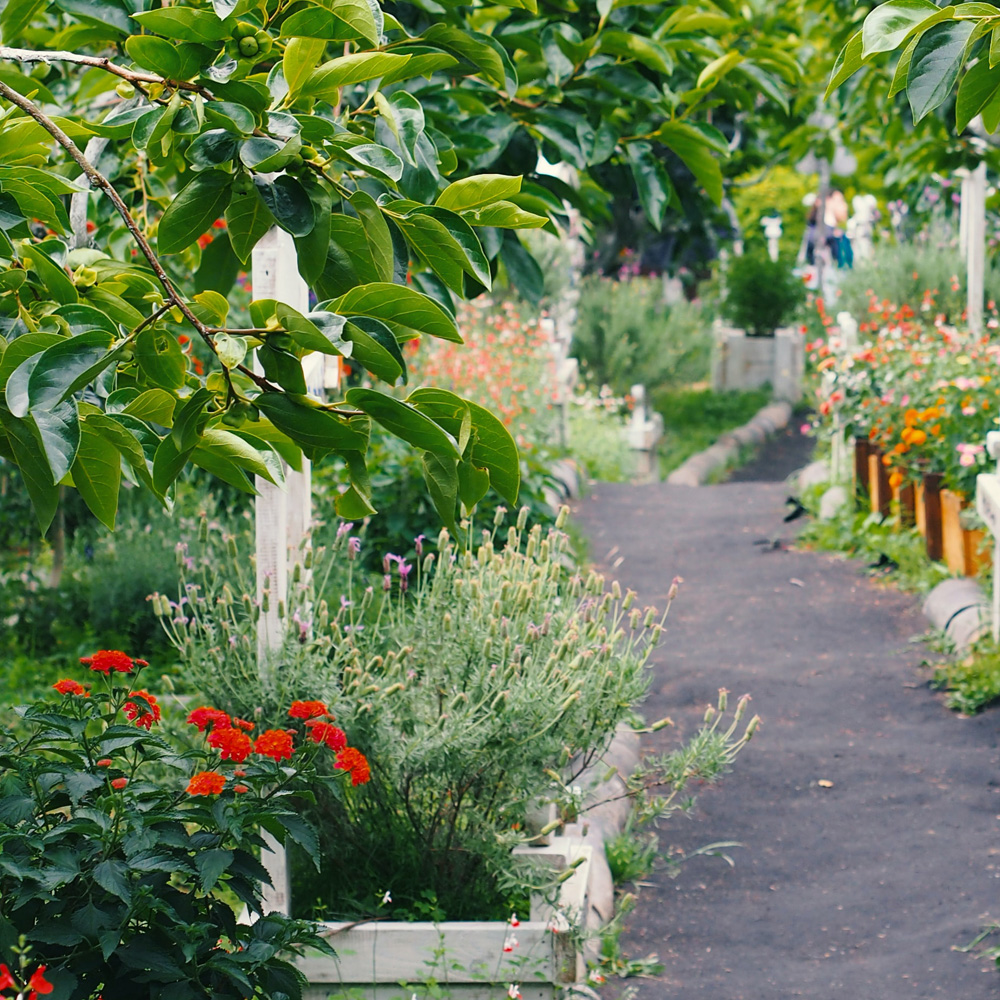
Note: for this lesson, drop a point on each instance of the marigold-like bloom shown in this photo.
(106, 660)
(144, 715)
(38, 982)
(307, 709)
(234, 744)
(68, 686)
(274, 743)
(204, 717)
(354, 761)
(325, 732)
(206, 783)
(119, 783)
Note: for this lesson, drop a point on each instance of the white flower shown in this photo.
(514, 991)
(386, 898)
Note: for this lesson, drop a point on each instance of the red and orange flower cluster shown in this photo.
(36, 985)
(230, 736)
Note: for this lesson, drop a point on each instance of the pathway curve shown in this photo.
(858, 891)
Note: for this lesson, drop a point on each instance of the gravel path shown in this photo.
(856, 891)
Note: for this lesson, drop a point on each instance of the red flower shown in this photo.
(105, 762)
(354, 761)
(274, 743)
(234, 744)
(204, 240)
(106, 660)
(307, 709)
(91, 226)
(324, 732)
(204, 717)
(6, 979)
(119, 783)
(68, 686)
(143, 715)
(243, 724)
(38, 982)
(240, 789)
(206, 783)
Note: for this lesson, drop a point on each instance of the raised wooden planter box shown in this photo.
(466, 959)
(959, 544)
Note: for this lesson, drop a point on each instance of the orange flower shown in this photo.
(144, 715)
(206, 783)
(274, 743)
(354, 761)
(204, 717)
(887, 460)
(68, 686)
(307, 709)
(917, 436)
(896, 479)
(119, 783)
(234, 744)
(106, 660)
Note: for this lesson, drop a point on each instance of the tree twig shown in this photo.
(99, 62)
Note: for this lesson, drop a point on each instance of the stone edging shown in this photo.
(697, 470)
(959, 608)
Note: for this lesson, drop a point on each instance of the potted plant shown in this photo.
(761, 296)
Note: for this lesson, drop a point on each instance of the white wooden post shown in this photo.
(976, 234)
(283, 517)
(963, 212)
(988, 508)
(772, 233)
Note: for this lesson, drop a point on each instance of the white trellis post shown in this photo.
(283, 516)
(974, 215)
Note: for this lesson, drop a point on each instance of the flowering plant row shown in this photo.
(123, 859)
(923, 391)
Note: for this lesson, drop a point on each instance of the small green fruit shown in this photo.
(85, 277)
(125, 90)
(249, 46)
(236, 414)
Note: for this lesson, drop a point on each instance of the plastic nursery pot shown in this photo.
(932, 515)
(861, 449)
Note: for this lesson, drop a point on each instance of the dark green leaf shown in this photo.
(97, 474)
(937, 61)
(405, 422)
(193, 211)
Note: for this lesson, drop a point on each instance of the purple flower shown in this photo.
(344, 602)
(353, 546)
(418, 544)
(344, 529)
(387, 582)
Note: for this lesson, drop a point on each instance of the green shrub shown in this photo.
(973, 682)
(625, 334)
(761, 294)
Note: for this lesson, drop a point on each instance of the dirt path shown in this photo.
(857, 891)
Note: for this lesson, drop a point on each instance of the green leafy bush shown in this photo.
(973, 682)
(125, 861)
(761, 294)
(479, 682)
(626, 334)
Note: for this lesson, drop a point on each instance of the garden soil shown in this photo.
(857, 888)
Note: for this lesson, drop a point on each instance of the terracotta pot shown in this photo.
(952, 533)
(932, 515)
(861, 449)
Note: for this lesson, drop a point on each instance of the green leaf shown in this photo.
(376, 231)
(316, 431)
(887, 25)
(289, 203)
(247, 219)
(192, 212)
(448, 250)
(505, 215)
(26, 346)
(474, 193)
(372, 155)
(655, 188)
(34, 468)
(473, 484)
(112, 876)
(405, 311)
(154, 405)
(441, 476)
(97, 475)
(405, 421)
(633, 46)
(937, 61)
(976, 90)
(212, 149)
(522, 269)
(184, 24)
(114, 430)
(341, 19)
(994, 47)
(494, 449)
(168, 463)
(694, 149)
(69, 366)
(55, 279)
(471, 46)
(160, 358)
(902, 71)
(325, 82)
(316, 331)
(375, 347)
(447, 409)
(300, 59)
(404, 115)
(190, 419)
(59, 433)
(238, 450)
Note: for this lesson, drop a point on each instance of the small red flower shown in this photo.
(105, 762)
(307, 709)
(91, 226)
(204, 717)
(206, 783)
(240, 789)
(324, 732)
(239, 773)
(234, 744)
(354, 761)
(204, 240)
(119, 783)
(106, 660)
(274, 743)
(144, 715)
(38, 982)
(68, 686)
(243, 724)
(6, 979)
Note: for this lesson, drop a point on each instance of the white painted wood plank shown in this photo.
(976, 235)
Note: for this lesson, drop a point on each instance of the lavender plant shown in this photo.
(479, 680)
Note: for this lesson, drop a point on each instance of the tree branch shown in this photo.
(99, 62)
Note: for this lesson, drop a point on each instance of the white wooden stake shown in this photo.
(976, 234)
(282, 519)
